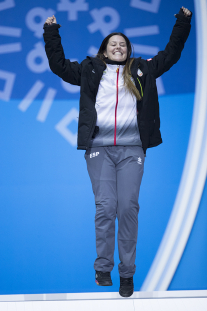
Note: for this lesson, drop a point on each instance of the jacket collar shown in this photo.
(113, 62)
(96, 61)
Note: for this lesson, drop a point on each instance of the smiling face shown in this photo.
(116, 48)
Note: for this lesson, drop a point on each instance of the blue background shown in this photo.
(47, 238)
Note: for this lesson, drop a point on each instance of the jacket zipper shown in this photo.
(117, 99)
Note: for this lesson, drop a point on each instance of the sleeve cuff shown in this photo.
(182, 17)
(51, 27)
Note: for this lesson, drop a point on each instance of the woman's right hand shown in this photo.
(51, 20)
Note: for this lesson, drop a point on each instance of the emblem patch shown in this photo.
(140, 73)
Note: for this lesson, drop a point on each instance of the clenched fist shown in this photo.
(51, 20)
(186, 11)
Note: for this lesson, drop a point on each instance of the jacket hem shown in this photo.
(81, 147)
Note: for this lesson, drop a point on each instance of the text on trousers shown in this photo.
(94, 154)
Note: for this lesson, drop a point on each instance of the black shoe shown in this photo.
(103, 278)
(126, 288)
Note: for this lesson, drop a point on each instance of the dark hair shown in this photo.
(104, 43)
(128, 81)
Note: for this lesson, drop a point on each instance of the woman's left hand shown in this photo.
(186, 12)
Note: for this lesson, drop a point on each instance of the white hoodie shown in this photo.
(116, 111)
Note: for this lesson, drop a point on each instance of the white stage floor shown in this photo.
(144, 301)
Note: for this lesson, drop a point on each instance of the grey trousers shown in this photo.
(116, 174)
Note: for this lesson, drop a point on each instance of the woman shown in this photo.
(118, 121)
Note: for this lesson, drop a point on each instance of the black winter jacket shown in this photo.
(88, 74)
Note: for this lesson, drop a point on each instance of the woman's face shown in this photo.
(116, 48)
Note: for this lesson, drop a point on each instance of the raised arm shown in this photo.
(64, 68)
(164, 60)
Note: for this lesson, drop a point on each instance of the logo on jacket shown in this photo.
(140, 73)
(139, 160)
